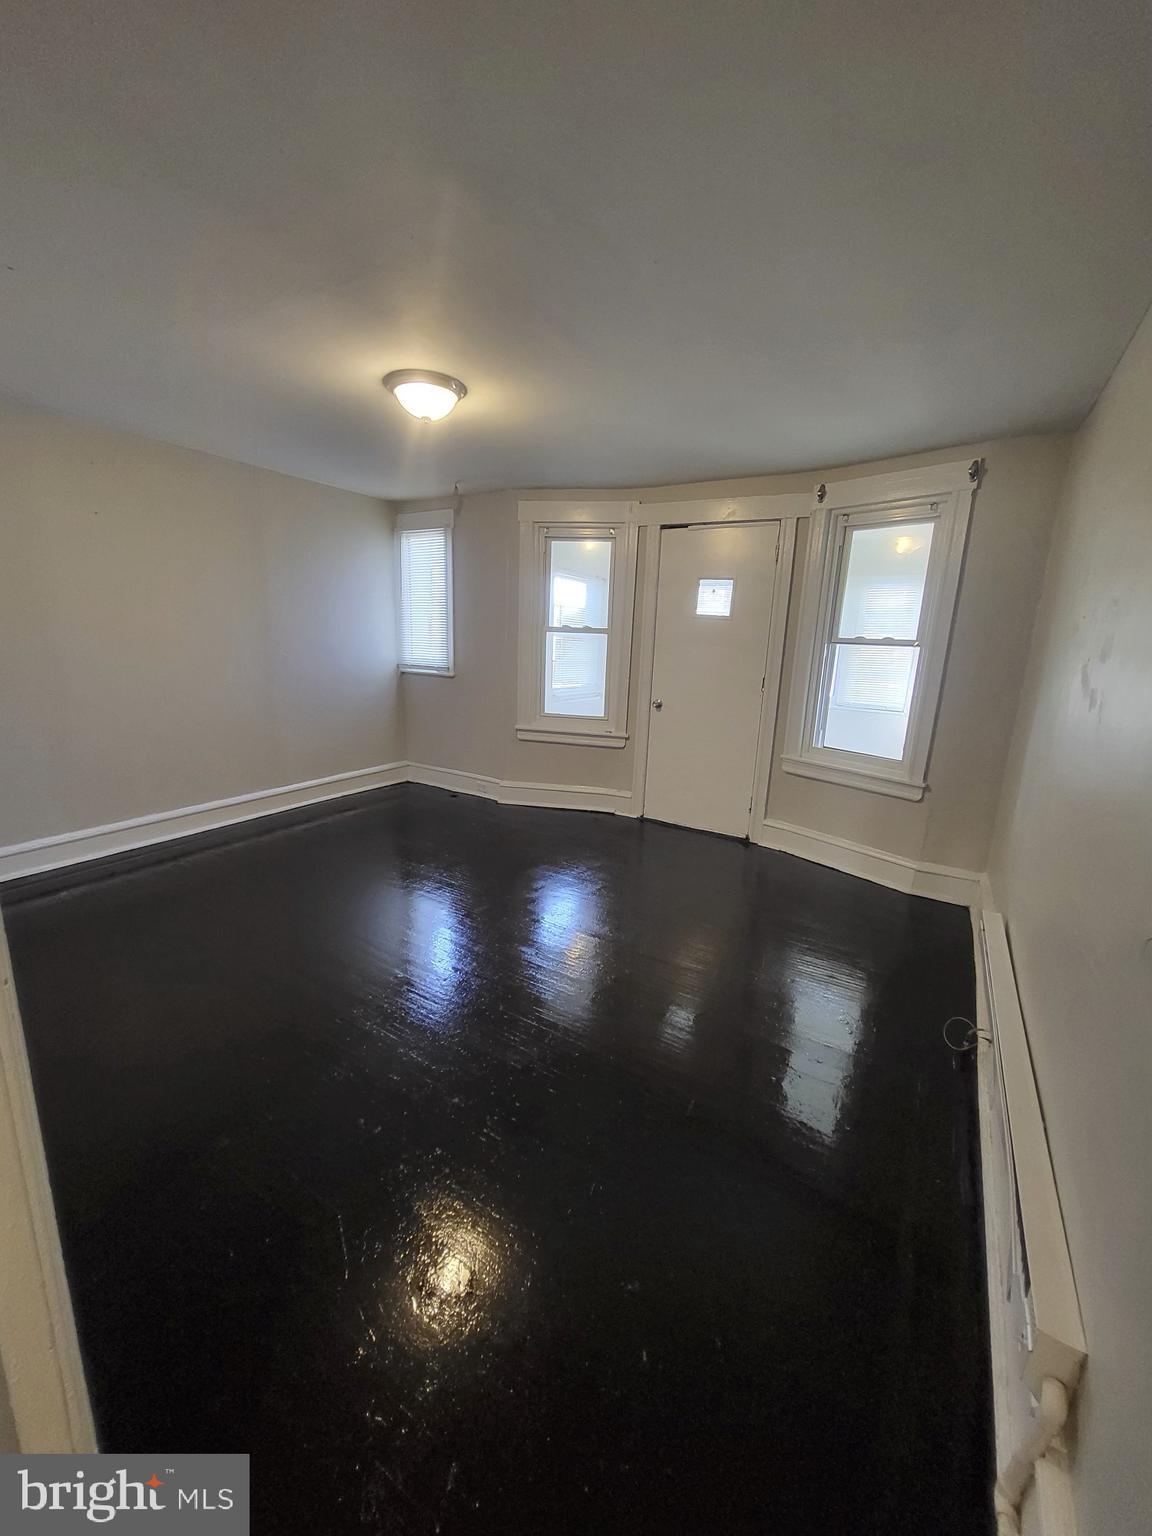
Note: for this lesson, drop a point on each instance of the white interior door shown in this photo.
(713, 611)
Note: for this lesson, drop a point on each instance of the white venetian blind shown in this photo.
(425, 639)
(879, 676)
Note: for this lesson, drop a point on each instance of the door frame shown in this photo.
(653, 518)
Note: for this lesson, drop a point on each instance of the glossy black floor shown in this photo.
(487, 1170)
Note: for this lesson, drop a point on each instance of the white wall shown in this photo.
(177, 628)
(468, 722)
(1072, 870)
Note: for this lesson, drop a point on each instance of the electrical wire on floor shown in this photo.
(973, 1036)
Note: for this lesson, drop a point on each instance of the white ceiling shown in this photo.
(659, 241)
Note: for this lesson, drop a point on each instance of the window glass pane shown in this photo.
(424, 598)
(579, 573)
(870, 698)
(884, 584)
(575, 673)
(714, 597)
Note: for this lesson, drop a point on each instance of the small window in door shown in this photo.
(714, 597)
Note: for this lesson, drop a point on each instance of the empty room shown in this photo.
(576, 767)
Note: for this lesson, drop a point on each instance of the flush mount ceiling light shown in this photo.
(427, 396)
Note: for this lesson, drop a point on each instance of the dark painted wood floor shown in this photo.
(486, 1170)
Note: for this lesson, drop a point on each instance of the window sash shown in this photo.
(568, 536)
(849, 523)
(885, 640)
(424, 582)
(839, 703)
(832, 636)
(569, 677)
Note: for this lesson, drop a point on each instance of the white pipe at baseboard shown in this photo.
(1012, 1482)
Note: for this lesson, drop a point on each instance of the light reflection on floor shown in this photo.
(454, 1263)
(677, 1027)
(829, 1002)
(566, 919)
(433, 945)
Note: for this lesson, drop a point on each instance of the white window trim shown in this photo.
(590, 519)
(945, 493)
(406, 522)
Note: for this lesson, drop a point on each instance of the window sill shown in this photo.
(428, 671)
(854, 778)
(570, 738)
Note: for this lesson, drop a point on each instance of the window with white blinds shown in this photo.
(883, 574)
(578, 601)
(875, 640)
(577, 581)
(425, 581)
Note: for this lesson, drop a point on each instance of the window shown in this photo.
(714, 597)
(576, 627)
(576, 583)
(880, 589)
(880, 599)
(424, 541)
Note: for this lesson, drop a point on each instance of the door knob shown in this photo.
(657, 703)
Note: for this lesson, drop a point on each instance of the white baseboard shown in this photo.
(955, 885)
(567, 797)
(562, 797)
(46, 853)
(1048, 1508)
(454, 779)
(959, 886)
